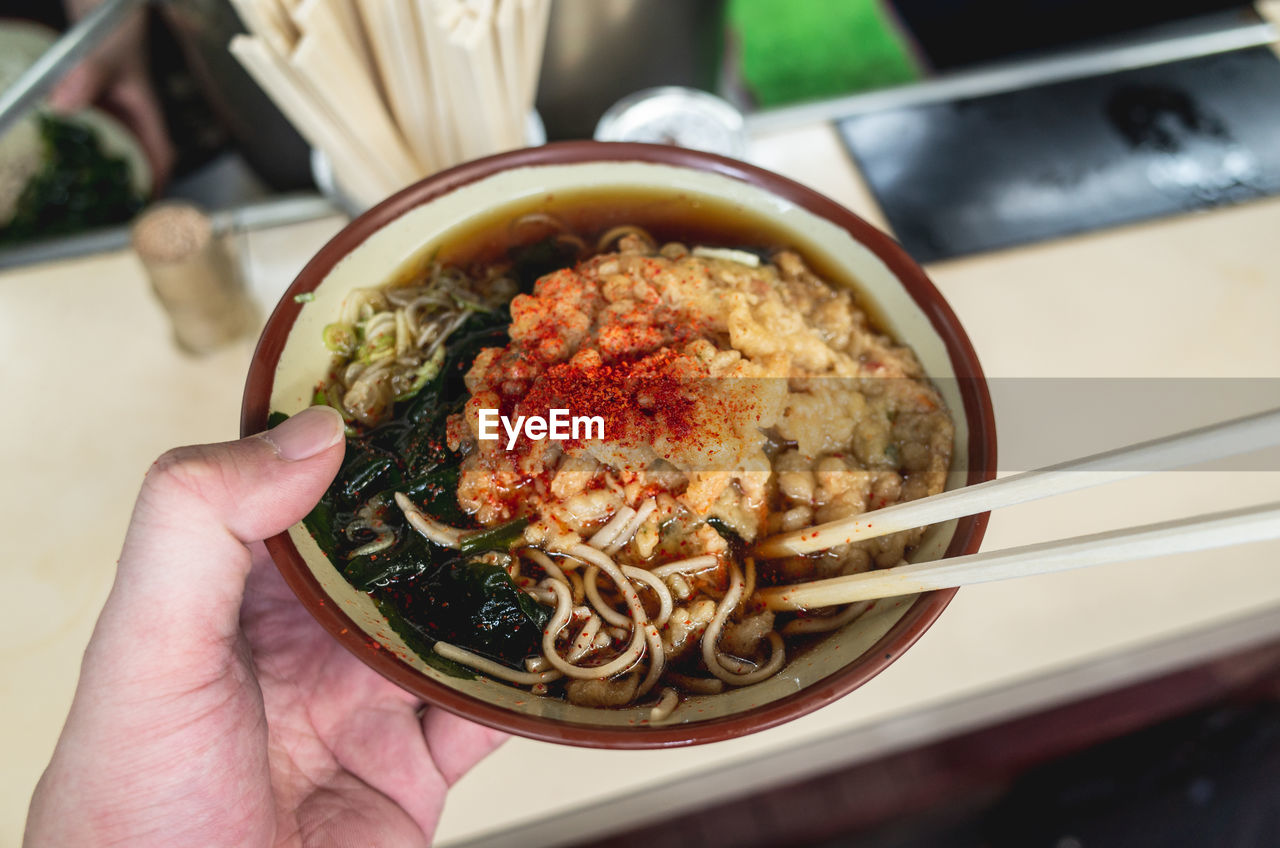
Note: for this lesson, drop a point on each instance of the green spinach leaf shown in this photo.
(420, 643)
(429, 592)
(499, 538)
(535, 260)
(737, 545)
(472, 604)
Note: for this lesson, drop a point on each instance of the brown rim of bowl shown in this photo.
(913, 624)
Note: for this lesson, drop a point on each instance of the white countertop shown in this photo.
(96, 391)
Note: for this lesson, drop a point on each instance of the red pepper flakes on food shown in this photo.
(638, 399)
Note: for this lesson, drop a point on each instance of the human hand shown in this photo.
(212, 709)
(115, 77)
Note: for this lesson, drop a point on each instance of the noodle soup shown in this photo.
(742, 389)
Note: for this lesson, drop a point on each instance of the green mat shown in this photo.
(793, 50)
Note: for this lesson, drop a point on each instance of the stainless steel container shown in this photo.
(686, 117)
(600, 50)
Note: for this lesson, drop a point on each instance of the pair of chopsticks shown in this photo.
(393, 90)
(1206, 444)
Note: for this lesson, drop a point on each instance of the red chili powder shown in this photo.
(638, 399)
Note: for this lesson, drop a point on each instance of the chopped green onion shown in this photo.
(426, 372)
(305, 297)
(377, 348)
(325, 397)
(467, 305)
(340, 337)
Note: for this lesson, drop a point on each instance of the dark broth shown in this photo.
(689, 218)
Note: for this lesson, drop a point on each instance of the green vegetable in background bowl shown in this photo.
(79, 186)
(62, 174)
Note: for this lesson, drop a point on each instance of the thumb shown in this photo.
(185, 557)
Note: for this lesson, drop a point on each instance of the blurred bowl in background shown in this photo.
(23, 149)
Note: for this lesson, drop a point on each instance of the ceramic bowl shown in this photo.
(291, 359)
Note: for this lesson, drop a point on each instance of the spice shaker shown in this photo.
(194, 274)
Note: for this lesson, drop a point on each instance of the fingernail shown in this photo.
(306, 434)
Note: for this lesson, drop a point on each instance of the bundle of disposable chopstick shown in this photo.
(393, 90)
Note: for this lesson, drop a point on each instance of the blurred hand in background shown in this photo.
(115, 78)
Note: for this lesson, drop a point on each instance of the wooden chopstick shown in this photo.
(1237, 526)
(534, 17)
(353, 95)
(510, 46)
(468, 41)
(396, 89)
(268, 22)
(487, 69)
(437, 18)
(334, 21)
(1205, 444)
(399, 61)
(470, 82)
(353, 26)
(296, 101)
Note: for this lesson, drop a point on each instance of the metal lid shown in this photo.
(684, 117)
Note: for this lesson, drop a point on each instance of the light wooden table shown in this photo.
(95, 391)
